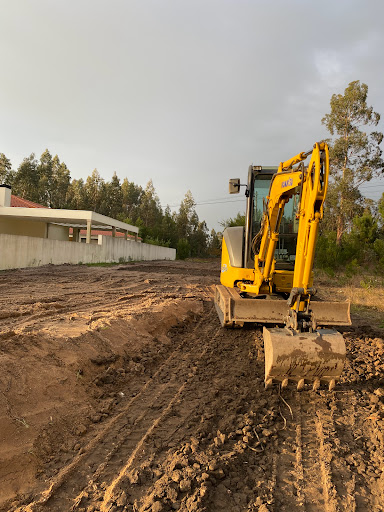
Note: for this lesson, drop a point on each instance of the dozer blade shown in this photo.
(316, 357)
(235, 310)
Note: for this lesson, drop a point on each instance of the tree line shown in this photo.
(48, 181)
(352, 231)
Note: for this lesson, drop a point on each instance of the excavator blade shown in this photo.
(316, 357)
(234, 310)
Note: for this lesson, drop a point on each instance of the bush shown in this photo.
(156, 241)
(357, 248)
(183, 249)
(378, 247)
(328, 254)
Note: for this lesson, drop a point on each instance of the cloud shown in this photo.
(186, 93)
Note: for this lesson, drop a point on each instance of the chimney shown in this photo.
(5, 195)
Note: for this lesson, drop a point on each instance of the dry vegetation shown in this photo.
(363, 289)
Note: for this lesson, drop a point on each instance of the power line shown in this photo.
(223, 200)
(220, 202)
(202, 203)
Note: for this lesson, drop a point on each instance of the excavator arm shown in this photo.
(311, 185)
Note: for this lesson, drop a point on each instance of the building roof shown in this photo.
(19, 202)
(28, 210)
(73, 218)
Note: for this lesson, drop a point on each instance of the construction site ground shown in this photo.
(120, 391)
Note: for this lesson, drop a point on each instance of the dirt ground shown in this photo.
(120, 391)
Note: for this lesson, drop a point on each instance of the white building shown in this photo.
(32, 235)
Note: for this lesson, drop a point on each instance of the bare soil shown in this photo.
(120, 391)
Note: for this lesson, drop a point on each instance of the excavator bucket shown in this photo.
(307, 357)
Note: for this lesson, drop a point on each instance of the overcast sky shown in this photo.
(186, 93)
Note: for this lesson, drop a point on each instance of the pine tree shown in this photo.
(168, 228)
(113, 197)
(76, 195)
(186, 216)
(214, 244)
(27, 180)
(94, 189)
(6, 173)
(132, 194)
(239, 220)
(150, 211)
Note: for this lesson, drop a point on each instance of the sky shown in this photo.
(187, 93)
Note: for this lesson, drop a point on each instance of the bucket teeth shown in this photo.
(310, 357)
(300, 385)
(284, 382)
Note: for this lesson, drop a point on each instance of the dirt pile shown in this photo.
(131, 397)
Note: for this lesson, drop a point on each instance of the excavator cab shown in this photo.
(285, 251)
(267, 277)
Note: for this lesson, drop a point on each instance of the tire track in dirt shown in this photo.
(203, 474)
(125, 434)
(210, 356)
(202, 434)
(357, 448)
(31, 313)
(317, 464)
(301, 477)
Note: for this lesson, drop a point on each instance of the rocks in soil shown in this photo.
(219, 439)
(185, 485)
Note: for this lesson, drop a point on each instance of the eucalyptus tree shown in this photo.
(355, 154)
(45, 174)
(60, 184)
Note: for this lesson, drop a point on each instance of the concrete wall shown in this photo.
(56, 232)
(27, 251)
(23, 227)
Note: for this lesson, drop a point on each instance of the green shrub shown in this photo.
(183, 249)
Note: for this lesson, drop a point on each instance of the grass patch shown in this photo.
(363, 289)
(103, 264)
(108, 264)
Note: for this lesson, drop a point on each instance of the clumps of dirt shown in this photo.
(365, 357)
(208, 472)
(55, 390)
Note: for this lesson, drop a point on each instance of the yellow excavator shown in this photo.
(267, 272)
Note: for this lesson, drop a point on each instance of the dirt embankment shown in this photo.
(119, 391)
